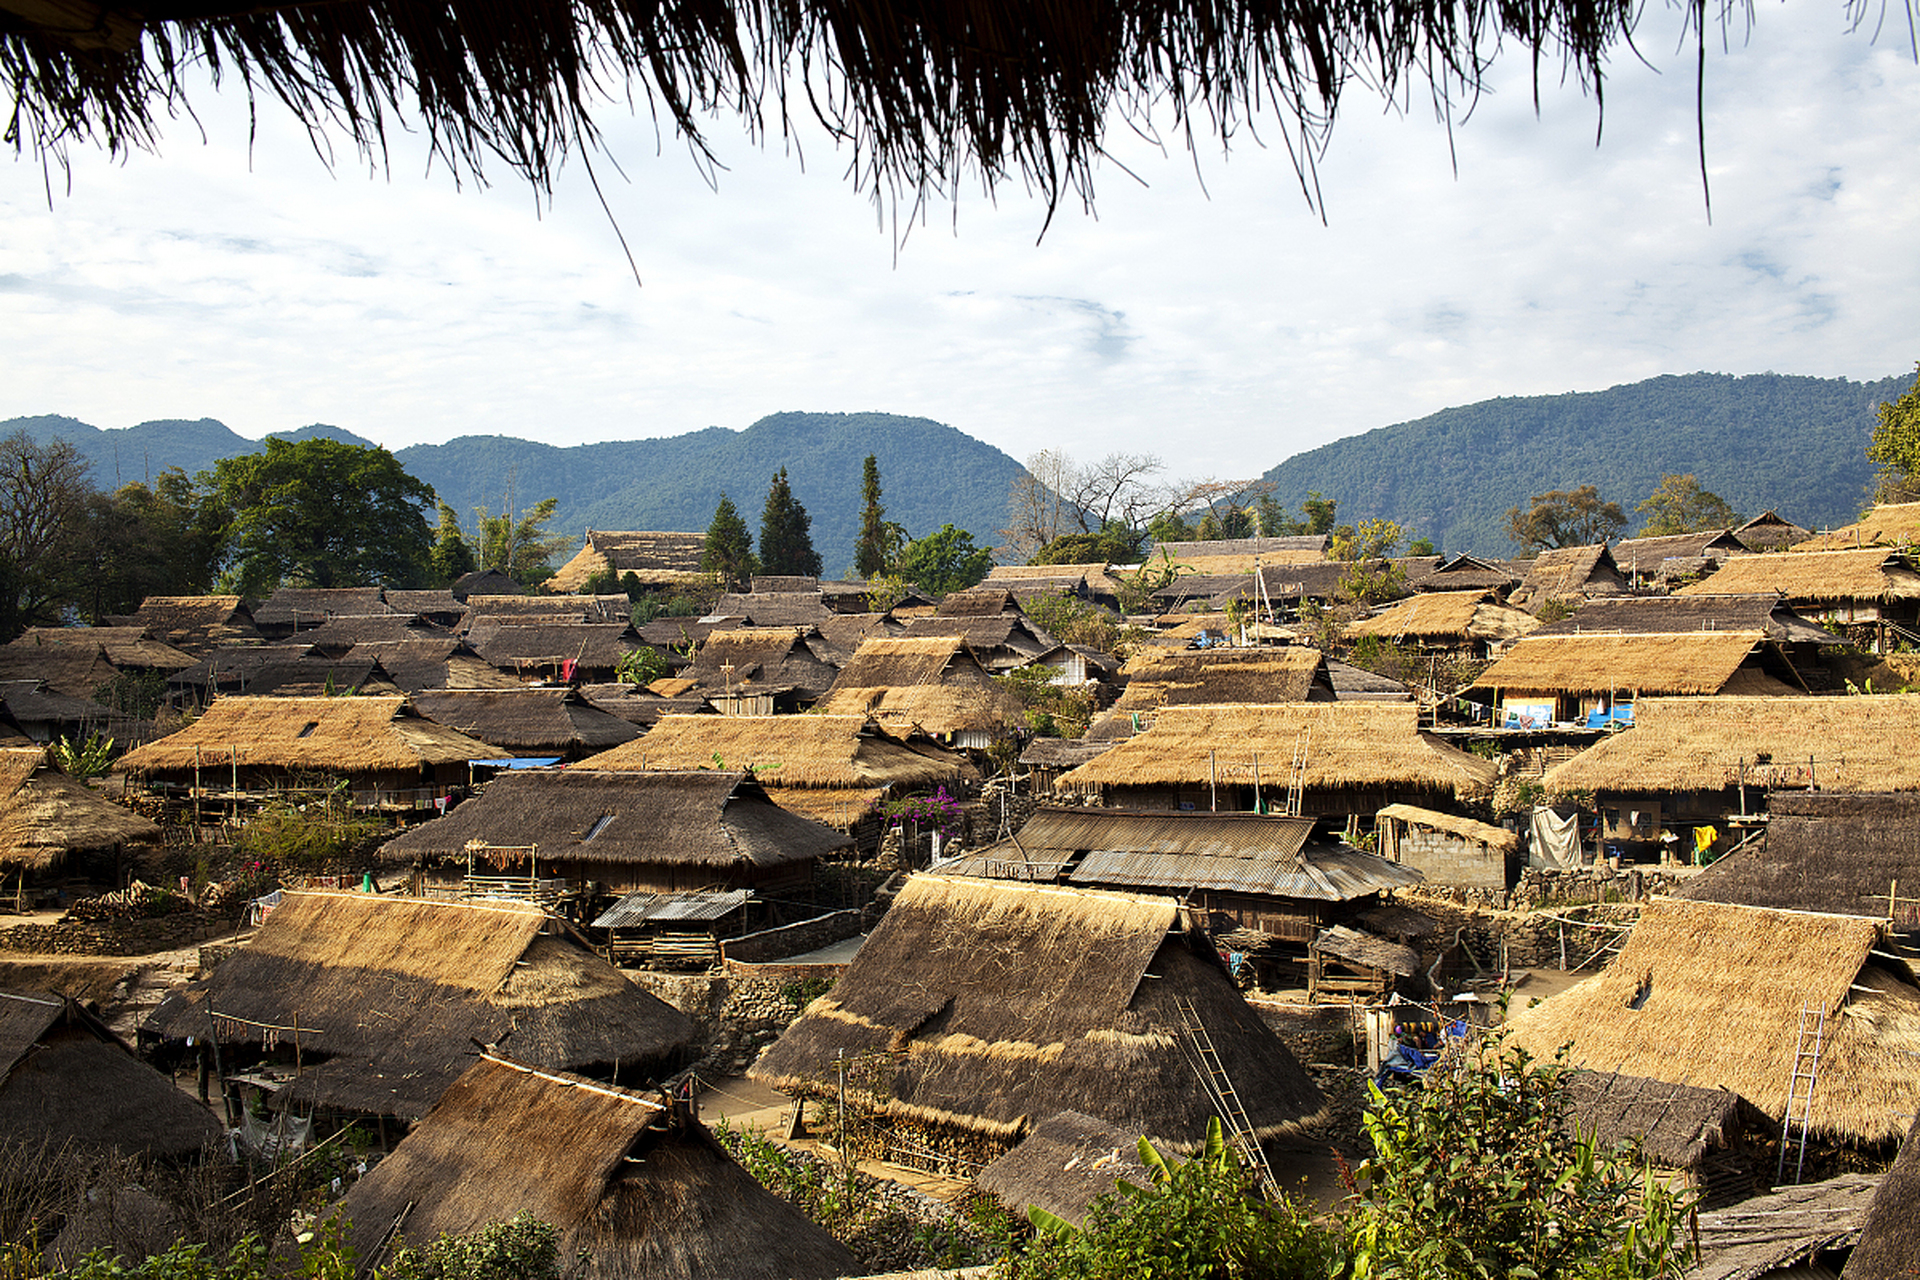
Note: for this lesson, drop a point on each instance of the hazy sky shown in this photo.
(1212, 319)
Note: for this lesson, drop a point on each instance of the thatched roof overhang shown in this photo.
(1769, 532)
(349, 735)
(1349, 744)
(1764, 612)
(934, 682)
(419, 666)
(1466, 573)
(632, 1187)
(1895, 524)
(1565, 572)
(1674, 662)
(1674, 1124)
(595, 645)
(1454, 825)
(995, 1003)
(1358, 947)
(45, 815)
(1715, 744)
(1064, 1165)
(1816, 576)
(1889, 1247)
(303, 607)
(1643, 556)
(1824, 851)
(195, 623)
(1447, 615)
(816, 751)
(1775, 1236)
(753, 658)
(526, 719)
(1707, 994)
(126, 647)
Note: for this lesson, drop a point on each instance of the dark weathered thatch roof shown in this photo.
(1308, 545)
(1643, 556)
(417, 666)
(714, 820)
(1889, 1247)
(1467, 573)
(393, 994)
(1001, 640)
(1824, 851)
(1674, 1124)
(484, 582)
(1648, 615)
(343, 631)
(1062, 753)
(1356, 946)
(1770, 1236)
(994, 1003)
(764, 657)
(775, 608)
(531, 721)
(1357, 684)
(818, 750)
(437, 604)
(633, 1187)
(1671, 662)
(1567, 573)
(647, 706)
(541, 646)
(303, 608)
(195, 623)
(934, 682)
(45, 815)
(291, 668)
(1064, 1165)
(339, 734)
(1769, 532)
(32, 705)
(65, 1079)
(126, 647)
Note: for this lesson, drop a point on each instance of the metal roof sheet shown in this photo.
(1324, 874)
(641, 907)
(1231, 835)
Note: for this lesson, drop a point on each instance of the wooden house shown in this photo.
(1710, 994)
(51, 823)
(658, 560)
(761, 671)
(1567, 576)
(932, 682)
(1077, 664)
(633, 1185)
(1873, 595)
(558, 652)
(1889, 1247)
(194, 624)
(619, 831)
(1161, 678)
(1596, 677)
(977, 1008)
(1836, 851)
(1468, 623)
(372, 1005)
(1671, 559)
(1046, 759)
(291, 610)
(1887, 524)
(527, 722)
(1358, 757)
(1769, 532)
(1448, 849)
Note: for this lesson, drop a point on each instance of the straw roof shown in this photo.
(1873, 574)
(392, 995)
(1885, 525)
(1890, 1236)
(632, 1187)
(1643, 556)
(818, 750)
(1710, 995)
(531, 721)
(1062, 753)
(1160, 678)
(1356, 946)
(843, 632)
(934, 682)
(718, 821)
(482, 582)
(1686, 662)
(1350, 744)
(65, 1080)
(1764, 612)
(44, 712)
(1674, 1124)
(416, 666)
(996, 1004)
(1467, 573)
(510, 646)
(775, 609)
(1064, 1165)
(1296, 546)
(1708, 744)
(1768, 532)
(658, 558)
(647, 706)
(764, 657)
(195, 623)
(1824, 851)
(1565, 572)
(1447, 615)
(1771, 1236)
(1001, 640)
(124, 646)
(548, 608)
(45, 815)
(340, 734)
(305, 606)
(438, 602)
(343, 631)
(1453, 824)
(1099, 579)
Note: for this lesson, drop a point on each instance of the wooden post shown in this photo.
(1213, 783)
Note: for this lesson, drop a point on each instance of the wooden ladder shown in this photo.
(1800, 1083)
(1226, 1101)
(1297, 778)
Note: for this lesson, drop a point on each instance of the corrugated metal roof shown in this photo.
(1323, 874)
(641, 907)
(1232, 835)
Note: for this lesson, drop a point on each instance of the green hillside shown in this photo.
(1797, 445)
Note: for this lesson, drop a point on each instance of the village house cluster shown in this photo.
(1656, 803)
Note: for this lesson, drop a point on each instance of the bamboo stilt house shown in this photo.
(68, 1082)
(390, 997)
(1359, 757)
(1590, 678)
(527, 722)
(50, 822)
(1158, 678)
(977, 1009)
(637, 1189)
(1827, 851)
(1710, 995)
(1889, 1247)
(933, 682)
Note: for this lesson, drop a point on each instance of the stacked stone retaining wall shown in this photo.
(115, 937)
(795, 939)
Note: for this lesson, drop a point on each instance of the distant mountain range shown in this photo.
(1795, 445)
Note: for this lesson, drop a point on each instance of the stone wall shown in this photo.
(1522, 940)
(1549, 887)
(115, 937)
(1448, 859)
(794, 939)
(734, 1018)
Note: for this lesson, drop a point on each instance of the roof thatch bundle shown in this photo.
(633, 1187)
(994, 1004)
(1673, 662)
(1676, 1125)
(1889, 1247)
(716, 821)
(529, 721)
(1467, 573)
(1764, 612)
(647, 706)
(1349, 744)
(1710, 995)
(392, 994)
(1768, 532)
(1454, 825)
(1062, 753)
(1824, 851)
(764, 657)
(1456, 616)
(343, 735)
(1713, 744)
(66, 1081)
(343, 631)
(45, 815)
(44, 713)
(658, 559)
(1064, 1165)
(1098, 579)
(549, 647)
(435, 605)
(195, 623)
(1888, 524)
(1567, 573)
(811, 751)
(934, 682)
(1782, 1235)
(1001, 641)
(1816, 576)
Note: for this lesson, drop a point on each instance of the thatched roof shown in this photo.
(996, 1004)
(343, 631)
(1764, 612)
(1710, 995)
(416, 666)
(305, 607)
(1000, 640)
(124, 646)
(283, 669)
(339, 734)
(1467, 573)
(1160, 678)
(1873, 574)
(934, 682)
(393, 994)
(548, 608)
(633, 1187)
(1447, 615)
(1886, 525)
(1062, 753)
(1565, 573)
(764, 657)
(1771, 1237)
(775, 609)
(1684, 662)
(1099, 579)
(65, 1080)
(1350, 744)
(1313, 545)
(1889, 1247)
(1356, 946)
(42, 711)
(45, 815)
(715, 821)
(1357, 684)
(1676, 1125)
(658, 558)
(843, 632)
(1453, 824)
(1768, 532)
(195, 623)
(538, 646)
(647, 706)
(529, 721)
(437, 603)
(1644, 556)
(484, 582)
(1064, 1165)
(818, 750)
(1824, 851)
(1708, 744)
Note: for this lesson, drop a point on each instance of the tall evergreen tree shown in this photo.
(870, 552)
(786, 539)
(729, 549)
(451, 557)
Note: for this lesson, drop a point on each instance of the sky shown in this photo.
(1204, 313)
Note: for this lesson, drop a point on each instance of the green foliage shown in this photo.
(1053, 711)
(786, 541)
(879, 540)
(728, 553)
(684, 602)
(1071, 620)
(451, 557)
(1421, 546)
(1565, 518)
(323, 835)
(1896, 446)
(944, 561)
(1137, 586)
(521, 545)
(135, 693)
(320, 513)
(523, 1248)
(802, 992)
(885, 590)
(1682, 505)
(642, 666)
(43, 530)
(141, 542)
(1114, 544)
(91, 759)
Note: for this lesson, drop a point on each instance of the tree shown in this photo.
(945, 561)
(1565, 518)
(43, 517)
(452, 558)
(880, 541)
(1370, 577)
(521, 546)
(140, 542)
(320, 513)
(1896, 447)
(786, 539)
(1056, 495)
(1680, 505)
(729, 550)
(1112, 545)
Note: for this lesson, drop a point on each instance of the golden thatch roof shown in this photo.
(45, 815)
(934, 682)
(1871, 574)
(1567, 572)
(1161, 677)
(1100, 578)
(1886, 525)
(338, 734)
(1708, 744)
(123, 646)
(1349, 744)
(816, 750)
(658, 558)
(1447, 615)
(1710, 995)
(1669, 662)
(1453, 824)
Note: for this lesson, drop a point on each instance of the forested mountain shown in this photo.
(1797, 445)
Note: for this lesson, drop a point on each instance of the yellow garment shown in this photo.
(1704, 838)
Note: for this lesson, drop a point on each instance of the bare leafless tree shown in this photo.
(1057, 495)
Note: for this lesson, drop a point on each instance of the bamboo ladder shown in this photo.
(1801, 1079)
(1226, 1101)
